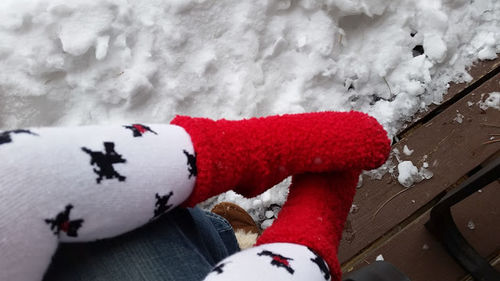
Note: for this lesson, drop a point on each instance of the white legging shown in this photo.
(84, 184)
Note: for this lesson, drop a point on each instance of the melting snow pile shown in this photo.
(69, 62)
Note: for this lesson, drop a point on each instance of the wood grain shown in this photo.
(451, 149)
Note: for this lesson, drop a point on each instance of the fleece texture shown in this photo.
(254, 154)
(80, 184)
(314, 214)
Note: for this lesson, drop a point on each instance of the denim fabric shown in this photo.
(183, 245)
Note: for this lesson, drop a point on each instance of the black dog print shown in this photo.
(63, 223)
(219, 268)
(105, 162)
(278, 260)
(138, 129)
(5, 137)
(191, 161)
(162, 205)
(323, 267)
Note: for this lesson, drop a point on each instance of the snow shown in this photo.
(75, 62)
(407, 151)
(269, 214)
(459, 118)
(492, 100)
(435, 47)
(354, 209)
(471, 225)
(379, 258)
(266, 223)
(409, 174)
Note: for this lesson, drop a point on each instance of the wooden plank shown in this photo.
(483, 210)
(478, 72)
(416, 253)
(451, 148)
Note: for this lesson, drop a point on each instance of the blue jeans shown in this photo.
(182, 245)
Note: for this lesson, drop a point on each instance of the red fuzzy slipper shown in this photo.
(253, 155)
(314, 214)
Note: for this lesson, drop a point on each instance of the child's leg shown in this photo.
(84, 184)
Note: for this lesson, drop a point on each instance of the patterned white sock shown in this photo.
(84, 184)
(275, 261)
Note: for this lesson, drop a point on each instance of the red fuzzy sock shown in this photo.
(314, 214)
(252, 155)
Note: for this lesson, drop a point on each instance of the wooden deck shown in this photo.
(453, 150)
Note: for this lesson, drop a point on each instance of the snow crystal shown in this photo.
(493, 100)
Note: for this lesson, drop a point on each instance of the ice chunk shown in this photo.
(267, 223)
(407, 151)
(407, 173)
(269, 214)
(425, 173)
(471, 225)
(379, 258)
(459, 118)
